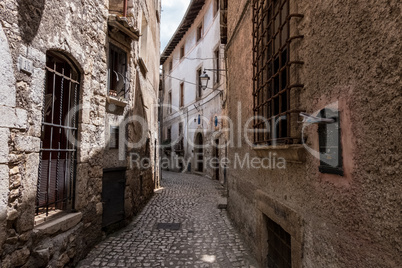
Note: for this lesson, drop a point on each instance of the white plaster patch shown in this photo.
(4, 136)
(7, 85)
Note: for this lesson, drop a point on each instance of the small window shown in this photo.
(181, 51)
(117, 72)
(114, 138)
(181, 94)
(170, 65)
(199, 88)
(170, 102)
(199, 32)
(169, 134)
(180, 144)
(217, 66)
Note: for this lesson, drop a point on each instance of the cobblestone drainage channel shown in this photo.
(168, 226)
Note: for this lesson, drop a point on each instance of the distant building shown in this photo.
(324, 192)
(77, 77)
(192, 120)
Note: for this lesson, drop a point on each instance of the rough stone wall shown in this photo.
(79, 30)
(351, 53)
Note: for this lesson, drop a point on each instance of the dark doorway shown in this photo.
(279, 246)
(217, 159)
(199, 152)
(113, 186)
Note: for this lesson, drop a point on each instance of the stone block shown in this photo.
(99, 208)
(17, 258)
(63, 224)
(27, 144)
(4, 150)
(36, 92)
(13, 117)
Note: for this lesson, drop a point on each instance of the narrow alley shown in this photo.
(180, 227)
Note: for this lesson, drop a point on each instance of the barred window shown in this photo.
(271, 78)
(58, 151)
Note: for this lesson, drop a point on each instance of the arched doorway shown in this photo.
(199, 152)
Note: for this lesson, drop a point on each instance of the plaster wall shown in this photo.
(198, 54)
(351, 54)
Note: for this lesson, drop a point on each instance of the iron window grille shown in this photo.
(271, 75)
(56, 173)
(117, 84)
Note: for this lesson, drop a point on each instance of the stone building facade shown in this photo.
(79, 92)
(192, 116)
(334, 198)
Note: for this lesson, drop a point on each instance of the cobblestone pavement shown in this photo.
(206, 237)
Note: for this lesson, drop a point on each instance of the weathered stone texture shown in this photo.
(4, 150)
(6, 72)
(13, 117)
(78, 30)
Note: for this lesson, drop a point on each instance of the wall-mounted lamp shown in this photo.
(204, 78)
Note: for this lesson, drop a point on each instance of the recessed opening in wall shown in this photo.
(170, 102)
(181, 94)
(199, 86)
(217, 66)
(56, 178)
(117, 71)
(182, 51)
(114, 138)
(279, 246)
(199, 32)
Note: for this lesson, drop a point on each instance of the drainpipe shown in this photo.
(125, 8)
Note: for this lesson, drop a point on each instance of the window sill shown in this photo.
(294, 153)
(115, 106)
(63, 223)
(118, 102)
